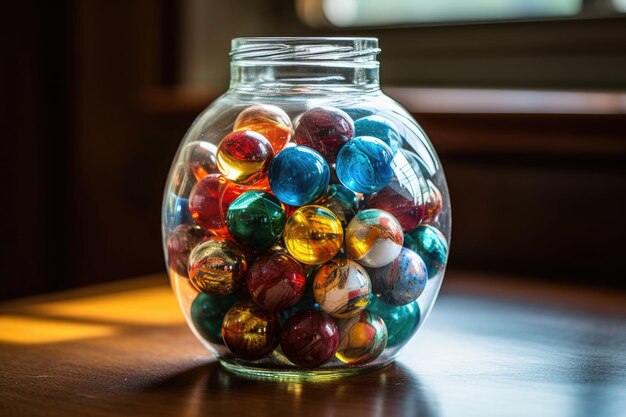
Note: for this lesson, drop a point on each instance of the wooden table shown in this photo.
(492, 347)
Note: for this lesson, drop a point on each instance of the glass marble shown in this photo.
(270, 121)
(361, 339)
(343, 202)
(176, 211)
(244, 157)
(180, 243)
(434, 203)
(217, 267)
(402, 281)
(298, 175)
(256, 219)
(374, 238)
(207, 315)
(205, 203)
(342, 288)
(200, 159)
(381, 128)
(313, 235)
(250, 332)
(364, 165)
(431, 245)
(401, 321)
(276, 282)
(309, 338)
(325, 129)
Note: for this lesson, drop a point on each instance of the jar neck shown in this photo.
(304, 65)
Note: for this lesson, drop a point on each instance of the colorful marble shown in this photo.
(200, 159)
(244, 157)
(361, 339)
(309, 338)
(434, 203)
(374, 238)
(343, 202)
(205, 203)
(402, 281)
(313, 235)
(431, 245)
(250, 332)
(325, 129)
(175, 211)
(342, 288)
(401, 321)
(298, 175)
(256, 219)
(217, 267)
(381, 128)
(270, 121)
(364, 165)
(276, 282)
(207, 315)
(180, 243)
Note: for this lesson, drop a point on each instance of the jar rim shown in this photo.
(303, 49)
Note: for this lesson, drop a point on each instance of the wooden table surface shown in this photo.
(493, 346)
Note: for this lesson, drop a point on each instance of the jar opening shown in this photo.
(304, 49)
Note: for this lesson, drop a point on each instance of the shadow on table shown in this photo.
(393, 391)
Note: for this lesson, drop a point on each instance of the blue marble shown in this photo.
(380, 128)
(431, 245)
(402, 281)
(176, 211)
(298, 175)
(401, 321)
(364, 165)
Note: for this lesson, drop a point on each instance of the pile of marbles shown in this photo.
(310, 242)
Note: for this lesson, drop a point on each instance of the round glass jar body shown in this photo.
(306, 216)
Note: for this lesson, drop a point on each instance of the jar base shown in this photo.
(320, 374)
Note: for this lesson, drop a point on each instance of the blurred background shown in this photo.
(525, 101)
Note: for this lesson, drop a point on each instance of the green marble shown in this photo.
(256, 219)
(401, 321)
(343, 202)
(431, 245)
(207, 314)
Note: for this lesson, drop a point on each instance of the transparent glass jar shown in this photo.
(306, 216)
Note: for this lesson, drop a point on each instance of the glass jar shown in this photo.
(306, 216)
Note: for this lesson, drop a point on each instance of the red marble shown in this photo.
(325, 129)
(405, 201)
(309, 338)
(276, 281)
(205, 203)
(181, 241)
(244, 157)
(434, 203)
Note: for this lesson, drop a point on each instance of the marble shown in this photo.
(401, 321)
(431, 245)
(207, 315)
(402, 281)
(256, 219)
(217, 267)
(200, 159)
(325, 129)
(298, 175)
(342, 288)
(276, 282)
(270, 121)
(381, 128)
(364, 165)
(244, 157)
(434, 203)
(250, 332)
(361, 339)
(313, 235)
(205, 204)
(175, 211)
(342, 201)
(180, 243)
(374, 238)
(309, 338)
